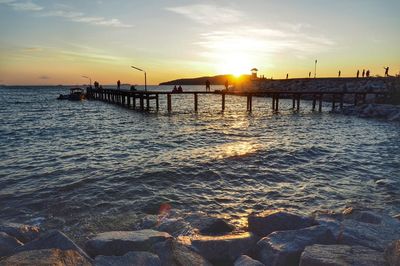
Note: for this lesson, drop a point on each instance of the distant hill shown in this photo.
(215, 80)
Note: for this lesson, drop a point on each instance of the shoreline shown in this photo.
(273, 237)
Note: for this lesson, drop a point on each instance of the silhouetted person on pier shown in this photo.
(208, 85)
(179, 89)
(175, 89)
(118, 84)
(309, 74)
(363, 74)
(386, 71)
(226, 84)
(367, 73)
(96, 85)
(358, 73)
(339, 73)
(287, 76)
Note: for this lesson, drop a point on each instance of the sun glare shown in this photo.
(235, 64)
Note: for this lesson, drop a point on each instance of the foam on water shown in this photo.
(90, 166)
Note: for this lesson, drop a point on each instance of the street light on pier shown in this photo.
(145, 78)
(90, 80)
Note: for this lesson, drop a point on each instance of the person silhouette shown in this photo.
(363, 73)
(287, 76)
(309, 74)
(208, 85)
(386, 71)
(339, 73)
(226, 84)
(118, 84)
(367, 73)
(358, 73)
(179, 89)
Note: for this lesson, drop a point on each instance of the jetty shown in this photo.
(147, 100)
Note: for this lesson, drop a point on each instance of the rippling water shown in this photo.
(91, 166)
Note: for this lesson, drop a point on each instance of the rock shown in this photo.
(397, 216)
(247, 261)
(46, 257)
(369, 230)
(337, 255)
(209, 225)
(270, 221)
(53, 239)
(148, 222)
(136, 258)
(285, 247)
(175, 227)
(22, 232)
(8, 244)
(224, 248)
(331, 221)
(173, 253)
(117, 243)
(392, 253)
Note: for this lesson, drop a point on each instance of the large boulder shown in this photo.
(175, 227)
(46, 257)
(283, 248)
(208, 225)
(267, 222)
(136, 258)
(173, 253)
(8, 244)
(117, 243)
(53, 239)
(247, 261)
(392, 253)
(369, 230)
(337, 255)
(22, 232)
(224, 248)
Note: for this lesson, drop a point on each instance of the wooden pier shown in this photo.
(142, 100)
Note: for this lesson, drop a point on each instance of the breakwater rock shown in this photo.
(381, 111)
(275, 237)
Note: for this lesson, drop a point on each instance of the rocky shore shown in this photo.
(273, 237)
(380, 111)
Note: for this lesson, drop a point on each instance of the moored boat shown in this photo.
(76, 94)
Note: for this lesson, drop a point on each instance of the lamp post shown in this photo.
(315, 69)
(90, 80)
(145, 78)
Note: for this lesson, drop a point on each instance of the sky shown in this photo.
(58, 42)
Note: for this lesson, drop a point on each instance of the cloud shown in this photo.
(22, 6)
(32, 49)
(44, 77)
(208, 14)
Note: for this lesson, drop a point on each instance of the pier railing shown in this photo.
(141, 100)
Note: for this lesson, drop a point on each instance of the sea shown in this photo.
(89, 166)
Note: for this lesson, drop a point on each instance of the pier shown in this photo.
(145, 100)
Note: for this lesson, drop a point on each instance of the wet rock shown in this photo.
(224, 248)
(247, 261)
(285, 247)
(332, 221)
(46, 257)
(337, 255)
(22, 232)
(117, 243)
(175, 227)
(8, 244)
(173, 253)
(53, 239)
(392, 253)
(397, 216)
(148, 222)
(208, 225)
(270, 221)
(369, 230)
(137, 258)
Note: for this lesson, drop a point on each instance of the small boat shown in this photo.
(76, 94)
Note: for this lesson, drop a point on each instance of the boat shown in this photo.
(76, 94)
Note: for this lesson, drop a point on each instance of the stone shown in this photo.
(53, 239)
(117, 243)
(175, 227)
(284, 248)
(8, 244)
(46, 257)
(270, 221)
(208, 225)
(136, 258)
(247, 261)
(224, 248)
(173, 253)
(392, 253)
(22, 232)
(369, 230)
(338, 255)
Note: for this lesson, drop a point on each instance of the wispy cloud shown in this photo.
(208, 14)
(44, 77)
(22, 6)
(65, 12)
